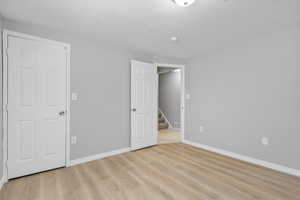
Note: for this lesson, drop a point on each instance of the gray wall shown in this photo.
(101, 76)
(247, 92)
(1, 134)
(169, 96)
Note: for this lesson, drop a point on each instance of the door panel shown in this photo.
(36, 94)
(26, 84)
(26, 134)
(144, 102)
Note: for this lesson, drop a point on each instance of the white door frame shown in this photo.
(182, 106)
(67, 47)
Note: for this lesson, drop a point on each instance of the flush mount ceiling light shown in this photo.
(184, 3)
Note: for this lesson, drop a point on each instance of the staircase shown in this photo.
(162, 123)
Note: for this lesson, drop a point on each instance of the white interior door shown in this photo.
(143, 104)
(37, 99)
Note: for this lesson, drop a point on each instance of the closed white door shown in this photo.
(37, 95)
(144, 80)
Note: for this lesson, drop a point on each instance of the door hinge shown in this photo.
(67, 51)
(5, 108)
(7, 51)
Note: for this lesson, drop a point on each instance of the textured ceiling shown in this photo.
(147, 25)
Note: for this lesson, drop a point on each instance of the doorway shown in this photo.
(144, 104)
(36, 88)
(170, 103)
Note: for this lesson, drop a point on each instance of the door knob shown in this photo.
(61, 113)
(133, 109)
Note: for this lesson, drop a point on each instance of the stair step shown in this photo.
(162, 126)
(161, 120)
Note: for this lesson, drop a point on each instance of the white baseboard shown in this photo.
(2, 181)
(98, 156)
(280, 168)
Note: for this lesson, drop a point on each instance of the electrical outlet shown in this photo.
(201, 129)
(265, 141)
(73, 139)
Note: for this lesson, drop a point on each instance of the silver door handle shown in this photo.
(62, 113)
(133, 109)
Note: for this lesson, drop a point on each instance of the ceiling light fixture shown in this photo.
(184, 3)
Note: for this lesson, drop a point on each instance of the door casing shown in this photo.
(5, 102)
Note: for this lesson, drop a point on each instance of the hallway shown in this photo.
(167, 136)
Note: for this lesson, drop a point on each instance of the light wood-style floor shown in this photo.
(170, 171)
(167, 136)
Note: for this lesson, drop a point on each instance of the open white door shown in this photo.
(37, 104)
(143, 104)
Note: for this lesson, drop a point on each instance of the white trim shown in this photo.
(255, 161)
(4, 102)
(67, 47)
(182, 115)
(68, 126)
(31, 37)
(2, 182)
(99, 156)
(165, 117)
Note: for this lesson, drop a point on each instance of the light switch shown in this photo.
(74, 96)
(201, 129)
(265, 141)
(73, 140)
